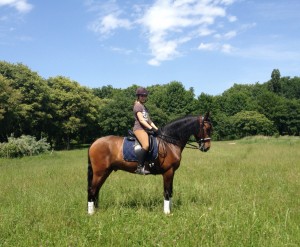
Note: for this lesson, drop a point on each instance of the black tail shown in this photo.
(89, 176)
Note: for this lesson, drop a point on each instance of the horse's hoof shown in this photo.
(169, 214)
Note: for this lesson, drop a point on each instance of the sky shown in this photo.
(205, 44)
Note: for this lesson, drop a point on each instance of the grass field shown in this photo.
(242, 193)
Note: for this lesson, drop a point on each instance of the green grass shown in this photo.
(241, 193)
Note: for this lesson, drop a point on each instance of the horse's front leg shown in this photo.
(168, 190)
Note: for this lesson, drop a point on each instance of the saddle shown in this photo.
(131, 142)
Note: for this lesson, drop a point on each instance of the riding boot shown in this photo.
(141, 156)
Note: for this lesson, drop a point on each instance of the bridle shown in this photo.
(201, 134)
(202, 140)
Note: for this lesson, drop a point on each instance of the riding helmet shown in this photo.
(141, 91)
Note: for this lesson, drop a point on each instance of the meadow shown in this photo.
(240, 193)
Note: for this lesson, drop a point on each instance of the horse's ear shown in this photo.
(206, 117)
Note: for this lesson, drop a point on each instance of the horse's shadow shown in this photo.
(154, 202)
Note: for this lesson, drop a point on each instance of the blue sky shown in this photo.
(205, 44)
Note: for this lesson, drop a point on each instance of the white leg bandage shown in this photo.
(91, 208)
(167, 206)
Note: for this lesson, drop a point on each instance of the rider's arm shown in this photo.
(143, 121)
(153, 126)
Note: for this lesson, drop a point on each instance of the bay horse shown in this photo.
(105, 155)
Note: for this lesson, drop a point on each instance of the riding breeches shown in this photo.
(143, 138)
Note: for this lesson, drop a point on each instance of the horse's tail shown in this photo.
(90, 172)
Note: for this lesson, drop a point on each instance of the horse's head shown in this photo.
(203, 137)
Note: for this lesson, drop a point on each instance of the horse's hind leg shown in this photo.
(94, 189)
(96, 178)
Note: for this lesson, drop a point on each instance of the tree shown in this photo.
(174, 100)
(248, 123)
(74, 109)
(33, 113)
(290, 87)
(274, 84)
(116, 115)
(105, 92)
(9, 108)
(236, 99)
(205, 103)
(292, 120)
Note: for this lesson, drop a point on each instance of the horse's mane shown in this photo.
(180, 129)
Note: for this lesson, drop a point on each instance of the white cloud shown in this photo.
(226, 36)
(204, 31)
(232, 18)
(166, 19)
(226, 48)
(226, 2)
(207, 46)
(108, 23)
(230, 34)
(121, 50)
(167, 24)
(21, 6)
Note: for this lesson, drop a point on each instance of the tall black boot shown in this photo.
(141, 156)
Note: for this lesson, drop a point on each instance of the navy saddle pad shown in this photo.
(129, 154)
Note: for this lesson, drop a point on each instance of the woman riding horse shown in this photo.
(142, 126)
(106, 155)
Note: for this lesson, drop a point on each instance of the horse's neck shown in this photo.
(183, 134)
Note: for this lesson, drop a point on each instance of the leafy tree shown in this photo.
(274, 84)
(247, 123)
(9, 108)
(33, 113)
(223, 128)
(290, 87)
(74, 109)
(291, 126)
(173, 99)
(116, 115)
(205, 103)
(236, 99)
(105, 92)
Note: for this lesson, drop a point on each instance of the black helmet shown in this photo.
(141, 91)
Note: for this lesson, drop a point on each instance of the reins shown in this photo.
(189, 143)
(192, 146)
(169, 139)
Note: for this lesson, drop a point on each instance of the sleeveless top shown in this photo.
(138, 107)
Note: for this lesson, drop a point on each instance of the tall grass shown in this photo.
(245, 193)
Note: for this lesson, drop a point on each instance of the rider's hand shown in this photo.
(150, 131)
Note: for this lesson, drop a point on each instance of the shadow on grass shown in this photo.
(154, 202)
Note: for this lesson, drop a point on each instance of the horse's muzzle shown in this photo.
(202, 145)
(203, 148)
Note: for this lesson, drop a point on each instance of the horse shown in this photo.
(105, 155)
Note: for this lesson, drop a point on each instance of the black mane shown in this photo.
(180, 130)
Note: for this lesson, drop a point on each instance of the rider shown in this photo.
(142, 125)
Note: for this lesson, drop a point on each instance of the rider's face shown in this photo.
(143, 98)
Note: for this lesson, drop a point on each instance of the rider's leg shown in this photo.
(143, 138)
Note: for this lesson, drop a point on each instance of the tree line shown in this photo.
(66, 113)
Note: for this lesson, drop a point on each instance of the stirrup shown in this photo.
(141, 170)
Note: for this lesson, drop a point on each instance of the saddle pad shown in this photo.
(129, 154)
